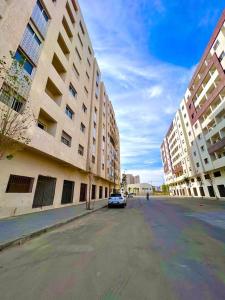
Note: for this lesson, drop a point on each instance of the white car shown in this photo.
(117, 199)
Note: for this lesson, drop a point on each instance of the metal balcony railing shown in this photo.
(30, 46)
(39, 20)
(11, 102)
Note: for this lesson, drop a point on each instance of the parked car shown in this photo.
(130, 195)
(117, 199)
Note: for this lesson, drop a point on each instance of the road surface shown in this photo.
(157, 249)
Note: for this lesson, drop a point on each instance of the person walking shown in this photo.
(147, 196)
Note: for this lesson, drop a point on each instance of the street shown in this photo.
(157, 249)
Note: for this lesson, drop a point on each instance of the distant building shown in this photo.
(137, 179)
(140, 188)
(131, 179)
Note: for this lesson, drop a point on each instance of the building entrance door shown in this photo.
(211, 191)
(45, 191)
(83, 192)
(67, 194)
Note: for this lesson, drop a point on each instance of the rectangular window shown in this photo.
(206, 161)
(79, 38)
(93, 159)
(89, 50)
(68, 191)
(211, 191)
(82, 127)
(216, 45)
(82, 28)
(88, 77)
(69, 112)
(66, 139)
(217, 174)
(84, 108)
(27, 65)
(72, 90)
(89, 62)
(221, 56)
(78, 54)
(41, 125)
(221, 189)
(81, 150)
(19, 184)
(86, 90)
(77, 74)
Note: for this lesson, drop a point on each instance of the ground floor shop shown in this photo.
(31, 182)
(211, 184)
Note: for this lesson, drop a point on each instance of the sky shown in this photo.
(147, 51)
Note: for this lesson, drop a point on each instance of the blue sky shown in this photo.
(147, 51)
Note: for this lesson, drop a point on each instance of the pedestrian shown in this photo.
(147, 196)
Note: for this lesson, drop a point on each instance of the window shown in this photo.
(86, 90)
(81, 150)
(72, 90)
(82, 127)
(197, 165)
(77, 74)
(69, 112)
(189, 106)
(66, 139)
(202, 148)
(43, 12)
(89, 62)
(221, 189)
(41, 125)
(95, 125)
(12, 102)
(221, 56)
(207, 176)
(199, 137)
(89, 50)
(103, 167)
(192, 116)
(206, 161)
(194, 153)
(88, 77)
(27, 66)
(78, 54)
(94, 141)
(93, 159)
(82, 28)
(79, 38)
(84, 108)
(182, 107)
(216, 45)
(19, 184)
(217, 174)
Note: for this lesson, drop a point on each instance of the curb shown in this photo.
(25, 238)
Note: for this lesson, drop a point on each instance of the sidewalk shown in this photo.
(17, 230)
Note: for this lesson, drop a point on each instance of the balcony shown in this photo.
(217, 146)
(23, 81)
(31, 45)
(60, 69)
(53, 92)
(63, 46)
(40, 19)
(46, 123)
(12, 102)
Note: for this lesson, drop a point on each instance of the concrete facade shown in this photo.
(193, 150)
(131, 179)
(75, 139)
(140, 189)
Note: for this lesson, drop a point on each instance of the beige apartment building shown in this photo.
(131, 179)
(74, 151)
(193, 150)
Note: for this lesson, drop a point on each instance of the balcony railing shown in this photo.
(11, 101)
(30, 46)
(217, 146)
(39, 20)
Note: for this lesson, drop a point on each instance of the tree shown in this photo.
(124, 182)
(15, 112)
(165, 189)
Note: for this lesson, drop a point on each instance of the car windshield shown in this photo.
(115, 195)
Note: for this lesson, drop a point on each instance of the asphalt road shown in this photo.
(157, 249)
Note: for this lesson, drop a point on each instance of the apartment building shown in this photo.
(74, 151)
(131, 179)
(194, 161)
